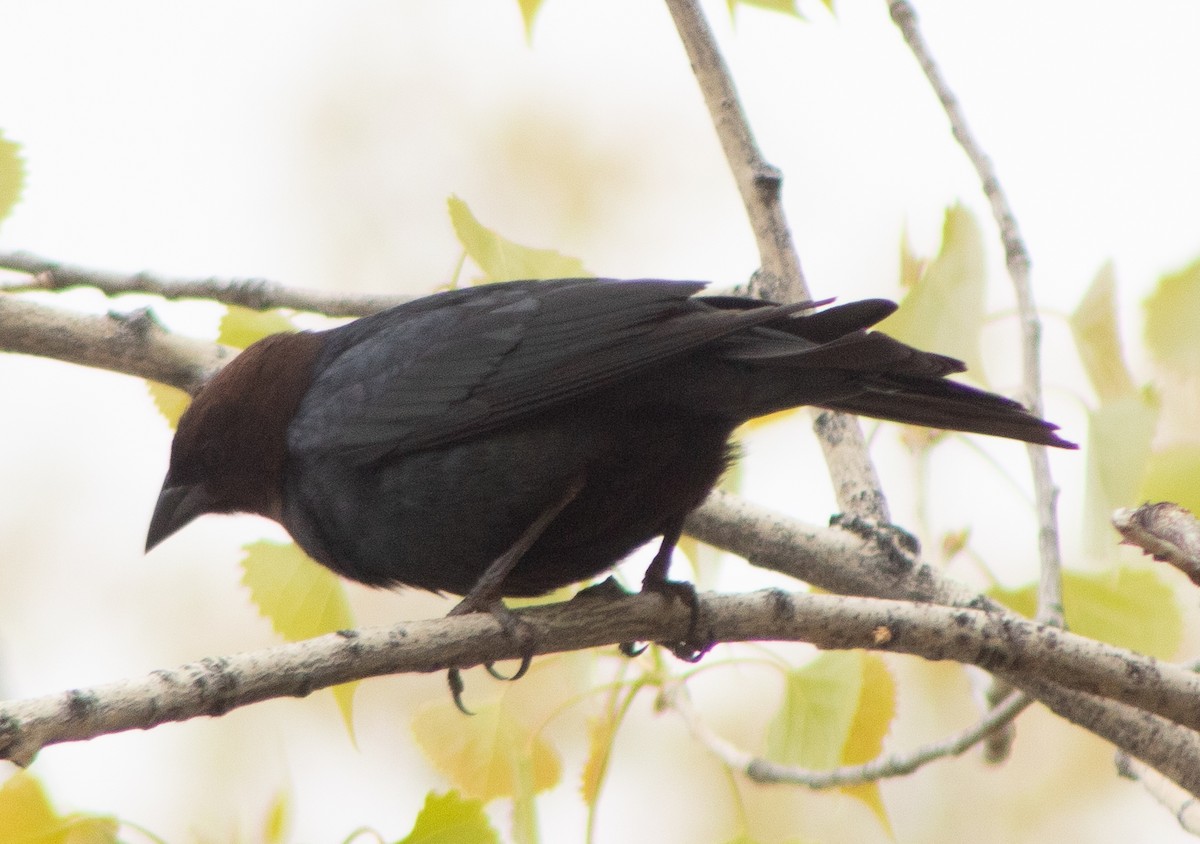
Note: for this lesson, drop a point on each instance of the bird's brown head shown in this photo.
(231, 443)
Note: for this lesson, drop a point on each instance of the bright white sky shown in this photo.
(316, 143)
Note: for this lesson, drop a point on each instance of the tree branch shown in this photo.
(1050, 600)
(256, 293)
(855, 481)
(765, 771)
(130, 343)
(215, 686)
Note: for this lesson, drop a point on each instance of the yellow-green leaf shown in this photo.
(1172, 314)
(27, 817)
(301, 600)
(491, 754)
(601, 732)
(529, 10)
(1130, 607)
(170, 401)
(1094, 327)
(1120, 432)
(820, 702)
(242, 326)
(12, 175)
(450, 819)
(500, 258)
(1173, 474)
(787, 7)
(872, 721)
(912, 265)
(944, 311)
(275, 825)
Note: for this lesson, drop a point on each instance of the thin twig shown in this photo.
(1185, 807)
(256, 293)
(1050, 601)
(855, 481)
(766, 771)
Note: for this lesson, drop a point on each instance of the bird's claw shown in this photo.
(692, 648)
(516, 629)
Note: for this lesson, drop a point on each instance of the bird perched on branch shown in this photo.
(510, 439)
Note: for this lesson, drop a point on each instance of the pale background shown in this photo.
(316, 143)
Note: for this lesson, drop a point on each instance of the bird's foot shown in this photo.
(519, 631)
(900, 548)
(693, 646)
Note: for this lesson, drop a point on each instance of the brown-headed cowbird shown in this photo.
(511, 439)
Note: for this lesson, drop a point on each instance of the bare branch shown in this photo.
(214, 686)
(131, 343)
(855, 481)
(765, 771)
(255, 293)
(1050, 600)
(1167, 532)
(1176, 800)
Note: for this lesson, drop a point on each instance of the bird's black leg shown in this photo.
(691, 649)
(485, 594)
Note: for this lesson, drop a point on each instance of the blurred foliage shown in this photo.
(12, 175)
(301, 599)
(943, 308)
(836, 710)
(450, 819)
(27, 817)
(504, 260)
(1125, 606)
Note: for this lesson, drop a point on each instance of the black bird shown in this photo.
(510, 439)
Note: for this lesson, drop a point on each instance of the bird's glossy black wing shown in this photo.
(448, 367)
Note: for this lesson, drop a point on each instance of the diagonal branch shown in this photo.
(1016, 255)
(855, 481)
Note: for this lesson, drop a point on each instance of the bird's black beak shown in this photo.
(176, 507)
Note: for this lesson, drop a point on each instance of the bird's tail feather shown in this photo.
(950, 405)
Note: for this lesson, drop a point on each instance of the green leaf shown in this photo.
(1173, 474)
(170, 401)
(876, 709)
(500, 258)
(242, 326)
(819, 706)
(944, 311)
(450, 819)
(275, 825)
(787, 7)
(27, 817)
(1094, 327)
(1128, 606)
(1172, 314)
(529, 10)
(301, 599)
(12, 175)
(491, 754)
(601, 732)
(1120, 432)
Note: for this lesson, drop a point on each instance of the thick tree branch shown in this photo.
(991, 641)
(256, 293)
(131, 343)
